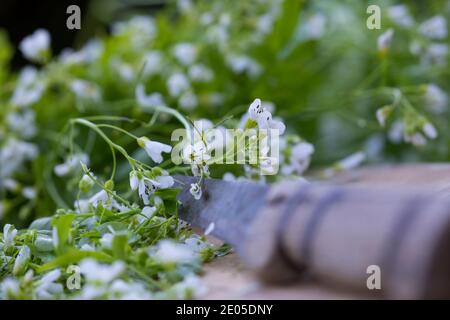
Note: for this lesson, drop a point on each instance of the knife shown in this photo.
(335, 234)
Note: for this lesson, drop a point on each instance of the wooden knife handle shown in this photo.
(334, 233)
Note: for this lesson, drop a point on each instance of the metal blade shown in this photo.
(231, 205)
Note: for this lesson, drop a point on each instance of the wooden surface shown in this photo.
(227, 277)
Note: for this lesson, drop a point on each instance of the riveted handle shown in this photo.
(334, 233)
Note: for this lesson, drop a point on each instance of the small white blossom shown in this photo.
(36, 47)
(177, 84)
(29, 193)
(95, 272)
(171, 252)
(395, 133)
(106, 240)
(210, 228)
(153, 63)
(47, 287)
(85, 90)
(190, 287)
(29, 88)
(10, 288)
(152, 100)
(148, 186)
(146, 213)
(384, 40)
(22, 259)
(352, 161)
(434, 28)
(71, 164)
(13, 154)
(314, 27)
(22, 123)
(89, 53)
(200, 73)
(399, 14)
(429, 130)
(196, 191)
(244, 64)
(436, 98)
(9, 234)
(196, 153)
(417, 139)
(154, 149)
(134, 180)
(188, 101)
(185, 53)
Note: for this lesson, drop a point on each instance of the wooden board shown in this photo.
(227, 277)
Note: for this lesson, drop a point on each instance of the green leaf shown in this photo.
(73, 256)
(62, 224)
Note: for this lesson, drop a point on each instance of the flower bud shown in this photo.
(109, 185)
(85, 184)
(22, 259)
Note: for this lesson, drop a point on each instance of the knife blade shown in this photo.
(231, 205)
(332, 232)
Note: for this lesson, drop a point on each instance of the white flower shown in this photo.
(417, 139)
(188, 101)
(139, 29)
(169, 251)
(148, 186)
(255, 109)
(434, 28)
(436, 98)
(395, 133)
(384, 40)
(71, 164)
(28, 89)
(300, 158)
(128, 291)
(146, 213)
(244, 64)
(36, 47)
(153, 63)
(265, 23)
(152, 100)
(381, 117)
(435, 53)
(264, 118)
(190, 287)
(210, 228)
(22, 123)
(196, 153)
(352, 161)
(13, 154)
(29, 193)
(429, 130)
(47, 287)
(100, 197)
(106, 240)
(184, 5)
(22, 259)
(315, 26)
(85, 90)
(95, 272)
(10, 288)
(177, 84)
(154, 149)
(90, 52)
(9, 234)
(200, 73)
(134, 180)
(399, 14)
(185, 53)
(196, 191)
